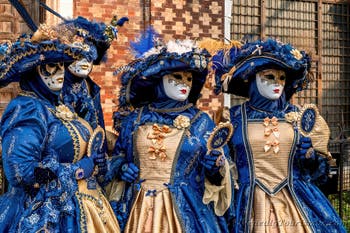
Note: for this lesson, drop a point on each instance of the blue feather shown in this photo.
(145, 42)
(122, 20)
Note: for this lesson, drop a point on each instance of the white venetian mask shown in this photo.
(52, 75)
(81, 68)
(177, 85)
(270, 83)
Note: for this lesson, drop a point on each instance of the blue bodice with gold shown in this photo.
(171, 179)
(36, 133)
(277, 189)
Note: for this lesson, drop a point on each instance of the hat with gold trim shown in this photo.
(97, 34)
(236, 67)
(155, 58)
(25, 54)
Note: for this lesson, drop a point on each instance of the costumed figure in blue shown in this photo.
(49, 152)
(164, 177)
(280, 150)
(80, 91)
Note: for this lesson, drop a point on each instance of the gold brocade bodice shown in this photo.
(96, 215)
(153, 210)
(156, 154)
(271, 168)
(82, 143)
(274, 208)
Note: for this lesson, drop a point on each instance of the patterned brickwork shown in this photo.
(118, 53)
(173, 19)
(11, 23)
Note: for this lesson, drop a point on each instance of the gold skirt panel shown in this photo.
(97, 216)
(276, 214)
(153, 214)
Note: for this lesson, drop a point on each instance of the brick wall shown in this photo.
(172, 19)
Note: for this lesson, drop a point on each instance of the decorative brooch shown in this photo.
(181, 122)
(291, 117)
(63, 112)
(297, 54)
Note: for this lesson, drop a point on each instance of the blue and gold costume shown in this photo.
(82, 93)
(166, 139)
(43, 138)
(277, 185)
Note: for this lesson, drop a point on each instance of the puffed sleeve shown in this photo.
(23, 132)
(220, 195)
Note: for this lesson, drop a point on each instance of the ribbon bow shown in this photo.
(274, 131)
(267, 132)
(275, 144)
(273, 121)
(157, 152)
(258, 49)
(151, 193)
(164, 129)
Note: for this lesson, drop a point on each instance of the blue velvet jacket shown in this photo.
(33, 136)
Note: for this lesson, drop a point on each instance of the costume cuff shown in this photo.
(220, 195)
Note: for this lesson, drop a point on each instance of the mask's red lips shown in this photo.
(183, 91)
(276, 90)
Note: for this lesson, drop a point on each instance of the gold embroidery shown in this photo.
(157, 149)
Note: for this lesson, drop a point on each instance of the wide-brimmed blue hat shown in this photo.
(96, 34)
(154, 59)
(236, 67)
(24, 55)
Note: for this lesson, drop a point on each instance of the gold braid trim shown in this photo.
(72, 132)
(44, 48)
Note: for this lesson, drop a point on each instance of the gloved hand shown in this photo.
(101, 162)
(86, 168)
(213, 161)
(43, 175)
(129, 172)
(304, 148)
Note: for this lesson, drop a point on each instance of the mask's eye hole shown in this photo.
(282, 78)
(177, 76)
(189, 79)
(270, 77)
(51, 65)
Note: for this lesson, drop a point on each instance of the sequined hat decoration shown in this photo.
(97, 34)
(154, 59)
(235, 67)
(24, 55)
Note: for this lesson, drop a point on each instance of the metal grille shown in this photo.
(336, 66)
(338, 187)
(320, 29)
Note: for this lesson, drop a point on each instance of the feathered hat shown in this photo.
(25, 54)
(154, 59)
(96, 34)
(235, 67)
